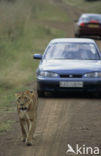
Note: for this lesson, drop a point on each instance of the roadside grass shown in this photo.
(18, 66)
(86, 6)
(5, 126)
(48, 10)
(21, 35)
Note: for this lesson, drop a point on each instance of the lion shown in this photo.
(27, 103)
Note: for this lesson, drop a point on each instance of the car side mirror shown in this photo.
(37, 56)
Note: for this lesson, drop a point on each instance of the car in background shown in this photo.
(69, 64)
(88, 25)
(91, 0)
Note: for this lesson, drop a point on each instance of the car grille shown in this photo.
(70, 76)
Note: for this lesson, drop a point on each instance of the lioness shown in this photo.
(27, 103)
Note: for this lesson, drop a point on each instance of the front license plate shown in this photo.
(71, 84)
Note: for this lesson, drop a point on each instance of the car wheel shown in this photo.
(40, 93)
(97, 94)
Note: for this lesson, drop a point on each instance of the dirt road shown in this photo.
(61, 121)
(70, 119)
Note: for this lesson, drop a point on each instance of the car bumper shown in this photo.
(93, 32)
(52, 85)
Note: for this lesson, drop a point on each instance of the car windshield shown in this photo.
(75, 51)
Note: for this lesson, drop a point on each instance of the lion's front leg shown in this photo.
(23, 130)
(30, 132)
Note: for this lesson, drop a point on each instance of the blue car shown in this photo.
(69, 64)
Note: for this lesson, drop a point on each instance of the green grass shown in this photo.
(17, 64)
(47, 10)
(94, 6)
(5, 126)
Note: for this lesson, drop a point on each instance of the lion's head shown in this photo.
(24, 100)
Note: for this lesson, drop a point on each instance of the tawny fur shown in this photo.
(27, 104)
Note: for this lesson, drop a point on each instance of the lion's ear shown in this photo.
(29, 92)
(18, 95)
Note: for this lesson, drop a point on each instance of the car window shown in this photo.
(83, 19)
(75, 51)
(97, 18)
(86, 18)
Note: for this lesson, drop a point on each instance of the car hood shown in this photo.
(78, 66)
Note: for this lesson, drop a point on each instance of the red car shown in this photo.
(88, 25)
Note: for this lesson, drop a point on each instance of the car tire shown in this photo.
(97, 94)
(40, 93)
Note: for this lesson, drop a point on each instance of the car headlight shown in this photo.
(93, 75)
(47, 74)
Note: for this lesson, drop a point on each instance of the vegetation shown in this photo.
(23, 32)
(86, 6)
(4, 126)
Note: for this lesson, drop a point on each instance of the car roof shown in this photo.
(74, 40)
(88, 14)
